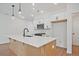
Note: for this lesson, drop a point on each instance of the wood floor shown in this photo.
(5, 51)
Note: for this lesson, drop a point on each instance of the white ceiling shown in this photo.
(27, 9)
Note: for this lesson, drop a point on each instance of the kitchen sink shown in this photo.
(28, 36)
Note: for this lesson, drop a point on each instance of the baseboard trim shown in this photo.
(68, 54)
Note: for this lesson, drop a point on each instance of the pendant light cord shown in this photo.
(20, 7)
(13, 10)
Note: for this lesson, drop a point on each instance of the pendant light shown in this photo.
(33, 4)
(20, 11)
(13, 16)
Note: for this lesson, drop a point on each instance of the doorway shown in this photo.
(59, 28)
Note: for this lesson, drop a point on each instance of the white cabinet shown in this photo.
(75, 7)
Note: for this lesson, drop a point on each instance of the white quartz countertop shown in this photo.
(35, 41)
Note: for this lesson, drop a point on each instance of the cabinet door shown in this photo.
(50, 48)
(20, 48)
(13, 45)
(17, 47)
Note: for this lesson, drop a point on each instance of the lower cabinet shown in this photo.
(22, 49)
(50, 48)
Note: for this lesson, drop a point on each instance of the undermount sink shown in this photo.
(28, 36)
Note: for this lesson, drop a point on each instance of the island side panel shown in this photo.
(13, 45)
(17, 47)
(23, 49)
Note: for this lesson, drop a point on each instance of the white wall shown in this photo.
(75, 19)
(10, 27)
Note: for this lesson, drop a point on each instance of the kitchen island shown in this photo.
(31, 46)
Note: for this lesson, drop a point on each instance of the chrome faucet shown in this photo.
(24, 31)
